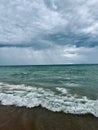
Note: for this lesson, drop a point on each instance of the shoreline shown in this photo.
(38, 118)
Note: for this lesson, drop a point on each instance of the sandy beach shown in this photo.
(21, 118)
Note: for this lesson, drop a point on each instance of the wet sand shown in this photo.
(21, 118)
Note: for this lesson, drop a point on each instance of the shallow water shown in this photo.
(68, 88)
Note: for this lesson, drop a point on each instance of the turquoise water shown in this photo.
(58, 86)
(79, 79)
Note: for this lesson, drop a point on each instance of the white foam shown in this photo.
(62, 90)
(21, 95)
(72, 85)
(96, 108)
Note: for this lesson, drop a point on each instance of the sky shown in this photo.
(48, 32)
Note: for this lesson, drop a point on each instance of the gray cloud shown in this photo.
(24, 21)
(45, 27)
(59, 55)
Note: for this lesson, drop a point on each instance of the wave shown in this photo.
(61, 100)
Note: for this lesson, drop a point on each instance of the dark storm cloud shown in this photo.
(38, 26)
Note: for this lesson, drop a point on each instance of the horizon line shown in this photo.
(50, 64)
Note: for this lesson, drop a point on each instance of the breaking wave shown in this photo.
(58, 100)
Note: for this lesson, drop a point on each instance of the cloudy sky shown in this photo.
(48, 32)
